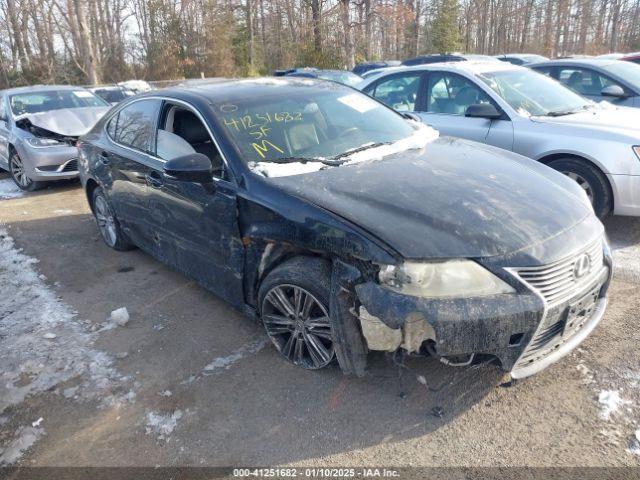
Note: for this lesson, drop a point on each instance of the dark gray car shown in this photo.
(39, 127)
(597, 78)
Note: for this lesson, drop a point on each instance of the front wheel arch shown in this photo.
(585, 162)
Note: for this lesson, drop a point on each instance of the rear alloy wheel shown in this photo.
(294, 311)
(591, 180)
(19, 175)
(108, 223)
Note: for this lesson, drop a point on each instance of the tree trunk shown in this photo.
(349, 56)
(316, 21)
(86, 46)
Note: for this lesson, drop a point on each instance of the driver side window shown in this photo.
(399, 92)
(182, 132)
(452, 94)
(585, 81)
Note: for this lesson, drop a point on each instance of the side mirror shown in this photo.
(615, 91)
(194, 167)
(483, 110)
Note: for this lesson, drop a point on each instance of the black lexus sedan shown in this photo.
(346, 227)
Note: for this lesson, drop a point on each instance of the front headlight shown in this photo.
(453, 278)
(43, 142)
(636, 150)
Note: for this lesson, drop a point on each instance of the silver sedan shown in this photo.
(597, 79)
(39, 127)
(517, 109)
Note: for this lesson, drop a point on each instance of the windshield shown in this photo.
(308, 129)
(531, 93)
(346, 78)
(629, 72)
(36, 102)
(111, 95)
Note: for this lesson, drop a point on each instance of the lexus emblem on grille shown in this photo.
(582, 266)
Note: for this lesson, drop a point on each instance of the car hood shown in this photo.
(454, 198)
(68, 122)
(620, 120)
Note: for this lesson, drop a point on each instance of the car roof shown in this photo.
(40, 88)
(473, 67)
(230, 90)
(594, 62)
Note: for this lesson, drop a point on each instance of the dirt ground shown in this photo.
(189, 381)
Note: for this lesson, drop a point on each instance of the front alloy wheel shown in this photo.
(299, 326)
(19, 175)
(583, 183)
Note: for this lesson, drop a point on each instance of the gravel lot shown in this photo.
(189, 381)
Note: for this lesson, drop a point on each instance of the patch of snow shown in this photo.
(610, 403)
(24, 439)
(37, 422)
(49, 336)
(420, 138)
(69, 392)
(269, 169)
(8, 189)
(63, 212)
(120, 316)
(162, 425)
(189, 380)
(166, 393)
(30, 363)
(224, 363)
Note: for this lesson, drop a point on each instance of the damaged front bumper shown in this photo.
(50, 163)
(521, 330)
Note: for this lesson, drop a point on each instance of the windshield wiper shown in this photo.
(283, 160)
(562, 113)
(348, 153)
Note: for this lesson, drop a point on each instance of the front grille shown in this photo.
(70, 166)
(557, 281)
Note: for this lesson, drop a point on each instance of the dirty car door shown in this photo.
(196, 225)
(123, 167)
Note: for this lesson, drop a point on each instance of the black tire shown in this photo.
(108, 224)
(591, 179)
(305, 339)
(19, 177)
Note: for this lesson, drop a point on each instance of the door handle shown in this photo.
(154, 179)
(103, 158)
